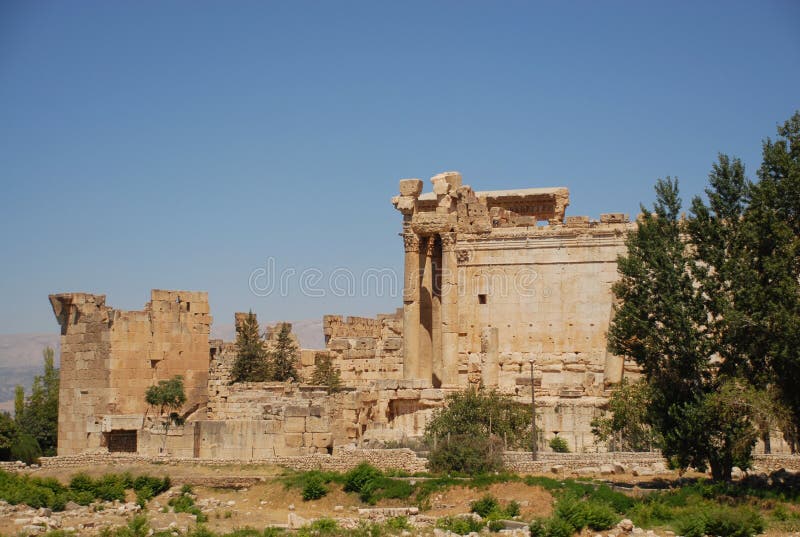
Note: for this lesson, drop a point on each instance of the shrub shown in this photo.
(26, 449)
(398, 523)
(730, 522)
(460, 525)
(155, 484)
(185, 504)
(110, 487)
(571, 510)
(599, 516)
(321, 526)
(467, 454)
(143, 496)
(512, 509)
(314, 489)
(692, 524)
(496, 525)
(559, 445)
(485, 506)
(357, 478)
(557, 527)
(538, 527)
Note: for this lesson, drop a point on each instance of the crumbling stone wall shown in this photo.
(363, 349)
(110, 357)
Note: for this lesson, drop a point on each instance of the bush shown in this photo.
(155, 484)
(485, 506)
(599, 516)
(321, 526)
(538, 527)
(467, 455)
(495, 526)
(462, 525)
(314, 489)
(356, 479)
(26, 449)
(730, 522)
(512, 509)
(557, 527)
(185, 504)
(398, 523)
(559, 445)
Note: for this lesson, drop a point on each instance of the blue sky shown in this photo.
(181, 144)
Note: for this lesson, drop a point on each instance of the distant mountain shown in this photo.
(21, 360)
(308, 332)
(21, 354)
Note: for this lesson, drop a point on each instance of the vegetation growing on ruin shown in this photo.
(168, 397)
(325, 374)
(251, 357)
(283, 357)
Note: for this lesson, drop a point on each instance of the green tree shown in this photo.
(251, 358)
(663, 324)
(8, 435)
(770, 302)
(325, 374)
(19, 401)
(626, 427)
(283, 356)
(39, 415)
(168, 396)
(484, 414)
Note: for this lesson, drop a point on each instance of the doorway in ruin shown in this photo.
(121, 441)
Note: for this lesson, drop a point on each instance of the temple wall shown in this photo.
(110, 357)
(547, 292)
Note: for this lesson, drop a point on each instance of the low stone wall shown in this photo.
(407, 460)
(342, 460)
(522, 462)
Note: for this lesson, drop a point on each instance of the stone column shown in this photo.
(449, 315)
(411, 305)
(426, 351)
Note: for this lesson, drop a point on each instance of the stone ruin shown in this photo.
(501, 289)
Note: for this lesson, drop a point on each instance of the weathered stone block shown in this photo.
(294, 425)
(296, 410)
(339, 344)
(410, 187)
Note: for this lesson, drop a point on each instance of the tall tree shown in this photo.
(251, 358)
(39, 416)
(168, 396)
(772, 305)
(325, 374)
(283, 356)
(663, 324)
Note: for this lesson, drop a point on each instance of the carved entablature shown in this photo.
(456, 207)
(530, 204)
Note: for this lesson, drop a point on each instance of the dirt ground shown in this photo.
(237, 496)
(264, 500)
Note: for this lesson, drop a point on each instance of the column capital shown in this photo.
(411, 242)
(448, 241)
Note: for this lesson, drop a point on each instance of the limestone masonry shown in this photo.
(500, 287)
